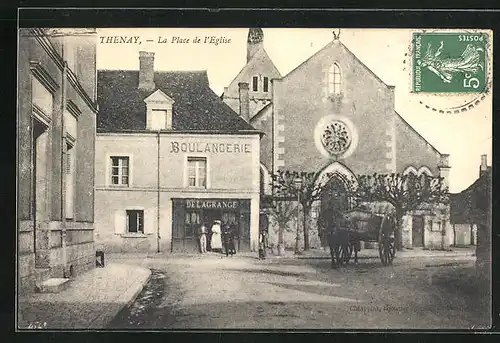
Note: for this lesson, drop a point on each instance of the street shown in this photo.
(211, 292)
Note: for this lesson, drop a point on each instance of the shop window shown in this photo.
(229, 218)
(334, 81)
(135, 221)
(197, 172)
(120, 170)
(266, 84)
(192, 222)
(255, 83)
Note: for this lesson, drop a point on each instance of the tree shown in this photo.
(308, 189)
(405, 192)
(282, 212)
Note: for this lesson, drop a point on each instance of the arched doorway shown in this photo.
(336, 178)
(335, 196)
(334, 199)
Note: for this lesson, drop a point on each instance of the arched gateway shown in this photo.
(336, 180)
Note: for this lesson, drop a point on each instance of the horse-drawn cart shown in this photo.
(357, 225)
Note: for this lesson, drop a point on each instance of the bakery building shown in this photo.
(332, 114)
(170, 155)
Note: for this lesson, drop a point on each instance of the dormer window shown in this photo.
(334, 80)
(159, 111)
(255, 83)
(158, 119)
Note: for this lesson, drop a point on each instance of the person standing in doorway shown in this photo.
(225, 236)
(216, 241)
(203, 238)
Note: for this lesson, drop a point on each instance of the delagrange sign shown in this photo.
(211, 204)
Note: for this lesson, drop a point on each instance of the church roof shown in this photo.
(196, 107)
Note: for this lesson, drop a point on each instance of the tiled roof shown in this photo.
(196, 107)
(472, 204)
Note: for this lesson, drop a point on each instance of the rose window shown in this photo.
(336, 138)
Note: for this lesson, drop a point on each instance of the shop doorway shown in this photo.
(186, 221)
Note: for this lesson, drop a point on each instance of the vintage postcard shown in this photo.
(254, 178)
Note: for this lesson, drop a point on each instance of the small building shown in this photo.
(332, 114)
(55, 144)
(170, 155)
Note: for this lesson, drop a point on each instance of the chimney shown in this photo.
(484, 164)
(255, 41)
(244, 101)
(444, 169)
(146, 70)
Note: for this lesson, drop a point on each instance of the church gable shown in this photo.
(333, 90)
(258, 73)
(335, 64)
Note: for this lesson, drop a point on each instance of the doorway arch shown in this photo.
(335, 180)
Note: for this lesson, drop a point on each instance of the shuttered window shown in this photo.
(69, 173)
(135, 221)
(266, 84)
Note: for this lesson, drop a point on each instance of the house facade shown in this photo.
(332, 114)
(56, 133)
(170, 155)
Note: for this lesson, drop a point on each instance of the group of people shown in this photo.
(219, 237)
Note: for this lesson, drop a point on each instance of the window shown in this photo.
(255, 83)
(41, 97)
(69, 172)
(158, 119)
(119, 171)
(266, 84)
(192, 223)
(135, 221)
(334, 79)
(197, 172)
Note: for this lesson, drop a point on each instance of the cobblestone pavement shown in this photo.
(213, 292)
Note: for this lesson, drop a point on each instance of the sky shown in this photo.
(465, 136)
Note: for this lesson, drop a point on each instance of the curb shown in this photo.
(107, 316)
(138, 291)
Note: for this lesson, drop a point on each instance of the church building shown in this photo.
(332, 114)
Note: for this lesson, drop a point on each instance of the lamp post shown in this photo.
(297, 184)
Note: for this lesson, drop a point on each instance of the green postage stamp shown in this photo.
(449, 62)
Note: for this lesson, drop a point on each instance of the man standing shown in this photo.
(203, 238)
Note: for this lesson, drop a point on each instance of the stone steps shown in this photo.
(53, 285)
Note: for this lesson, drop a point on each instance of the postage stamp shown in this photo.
(449, 62)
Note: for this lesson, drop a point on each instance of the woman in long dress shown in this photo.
(216, 242)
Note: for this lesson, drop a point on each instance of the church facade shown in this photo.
(333, 114)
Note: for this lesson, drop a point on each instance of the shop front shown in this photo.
(190, 213)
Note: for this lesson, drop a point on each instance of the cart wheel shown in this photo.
(386, 247)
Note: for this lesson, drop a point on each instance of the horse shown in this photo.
(339, 239)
